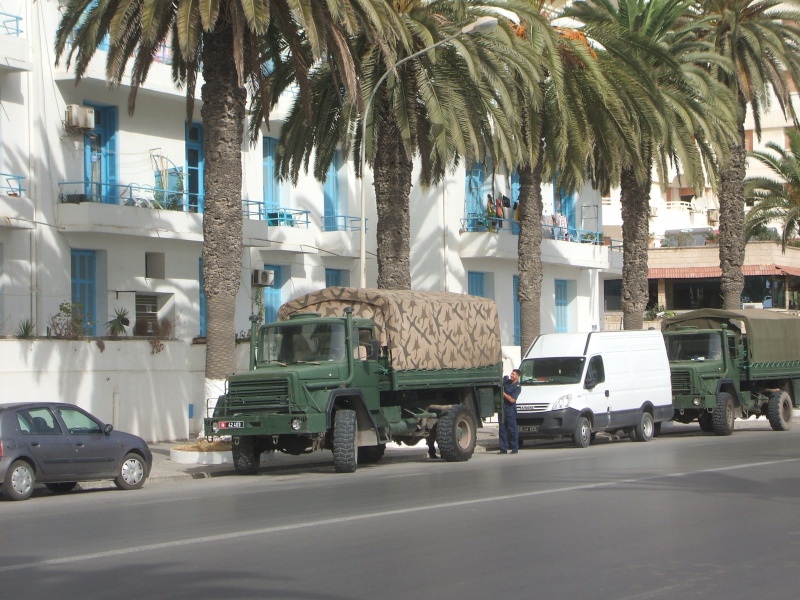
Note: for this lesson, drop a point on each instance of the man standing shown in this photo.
(508, 428)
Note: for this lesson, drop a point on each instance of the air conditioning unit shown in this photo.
(653, 211)
(263, 278)
(79, 117)
(713, 215)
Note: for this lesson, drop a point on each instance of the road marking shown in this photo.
(375, 515)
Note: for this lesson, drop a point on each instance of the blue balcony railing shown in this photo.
(11, 185)
(275, 216)
(477, 222)
(10, 24)
(341, 223)
(130, 194)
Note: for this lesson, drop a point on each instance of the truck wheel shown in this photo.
(723, 414)
(583, 433)
(456, 434)
(706, 422)
(245, 460)
(644, 429)
(368, 455)
(780, 411)
(345, 450)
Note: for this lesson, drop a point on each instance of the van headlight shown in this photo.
(562, 402)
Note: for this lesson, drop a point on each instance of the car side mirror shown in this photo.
(108, 428)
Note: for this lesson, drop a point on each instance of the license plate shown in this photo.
(231, 424)
(528, 428)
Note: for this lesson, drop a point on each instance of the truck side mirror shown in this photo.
(374, 349)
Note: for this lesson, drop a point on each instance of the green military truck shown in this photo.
(349, 370)
(730, 363)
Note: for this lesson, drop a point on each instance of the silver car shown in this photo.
(61, 444)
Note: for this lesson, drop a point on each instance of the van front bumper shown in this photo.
(551, 422)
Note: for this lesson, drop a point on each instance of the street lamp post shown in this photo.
(480, 25)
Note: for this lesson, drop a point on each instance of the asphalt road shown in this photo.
(685, 516)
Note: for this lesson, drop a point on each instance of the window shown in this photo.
(562, 306)
(38, 421)
(564, 204)
(272, 294)
(330, 193)
(79, 423)
(480, 284)
(146, 315)
(84, 287)
(195, 167)
(272, 200)
(337, 277)
(101, 164)
(476, 179)
(154, 265)
(596, 373)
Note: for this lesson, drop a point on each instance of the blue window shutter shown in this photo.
(330, 193)
(476, 203)
(476, 283)
(272, 294)
(195, 166)
(111, 130)
(517, 313)
(272, 199)
(562, 306)
(333, 277)
(84, 287)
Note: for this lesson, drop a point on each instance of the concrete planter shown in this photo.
(185, 457)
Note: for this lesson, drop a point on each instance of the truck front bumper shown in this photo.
(266, 424)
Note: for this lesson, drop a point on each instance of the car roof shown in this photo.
(48, 403)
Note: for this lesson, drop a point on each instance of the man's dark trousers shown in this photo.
(509, 428)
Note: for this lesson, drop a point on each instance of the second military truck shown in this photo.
(349, 370)
(729, 363)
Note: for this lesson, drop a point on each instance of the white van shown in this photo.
(576, 384)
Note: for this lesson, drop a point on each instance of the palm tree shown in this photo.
(452, 104)
(761, 39)
(776, 199)
(227, 42)
(681, 113)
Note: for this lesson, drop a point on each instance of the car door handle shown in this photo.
(35, 444)
(79, 445)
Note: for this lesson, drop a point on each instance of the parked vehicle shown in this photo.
(349, 370)
(576, 384)
(60, 444)
(734, 363)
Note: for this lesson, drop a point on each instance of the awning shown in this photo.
(716, 272)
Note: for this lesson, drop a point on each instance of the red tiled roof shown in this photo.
(713, 272)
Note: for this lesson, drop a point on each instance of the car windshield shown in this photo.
(552, 370)
(302, 342)
(694, 346)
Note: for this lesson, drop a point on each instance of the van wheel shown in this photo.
(583, 433)
(724, 414)
(245, 459)
(644, 430)
(345, 450)
(780, 411)
(456, 434)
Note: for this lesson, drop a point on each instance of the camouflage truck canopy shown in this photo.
(771, 336)
(422, 330)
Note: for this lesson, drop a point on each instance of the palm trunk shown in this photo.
(635, 198)
(731, 221)
(529, 250)
(223, 115)
(392, 172)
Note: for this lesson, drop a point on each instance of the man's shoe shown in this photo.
(503, 452)
(514, 451)
(432, 455)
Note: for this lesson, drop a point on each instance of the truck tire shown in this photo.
(644, 429)
(724, 414)
(345, 450)
(245, 461)
(368, 455)
(706, 422)
(780, 411)
(583, 433)
(457, 434)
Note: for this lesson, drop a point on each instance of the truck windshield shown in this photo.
(694, 346)
(552, 370)
(302, 342)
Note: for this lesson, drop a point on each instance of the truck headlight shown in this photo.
(696, 401)
(562, 402)
(297, 424)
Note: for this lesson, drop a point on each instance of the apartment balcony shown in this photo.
(277, 228)
(341, 235)
(16, 209)
(16, 52)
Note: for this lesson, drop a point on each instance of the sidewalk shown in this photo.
(166, 469)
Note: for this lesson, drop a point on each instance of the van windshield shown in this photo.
(552, 370)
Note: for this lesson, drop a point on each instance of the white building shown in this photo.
(104, 210)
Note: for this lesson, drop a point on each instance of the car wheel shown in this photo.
(345, 433)
(132, 473)
(61, 488)
(583, 433)
(19, 482)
